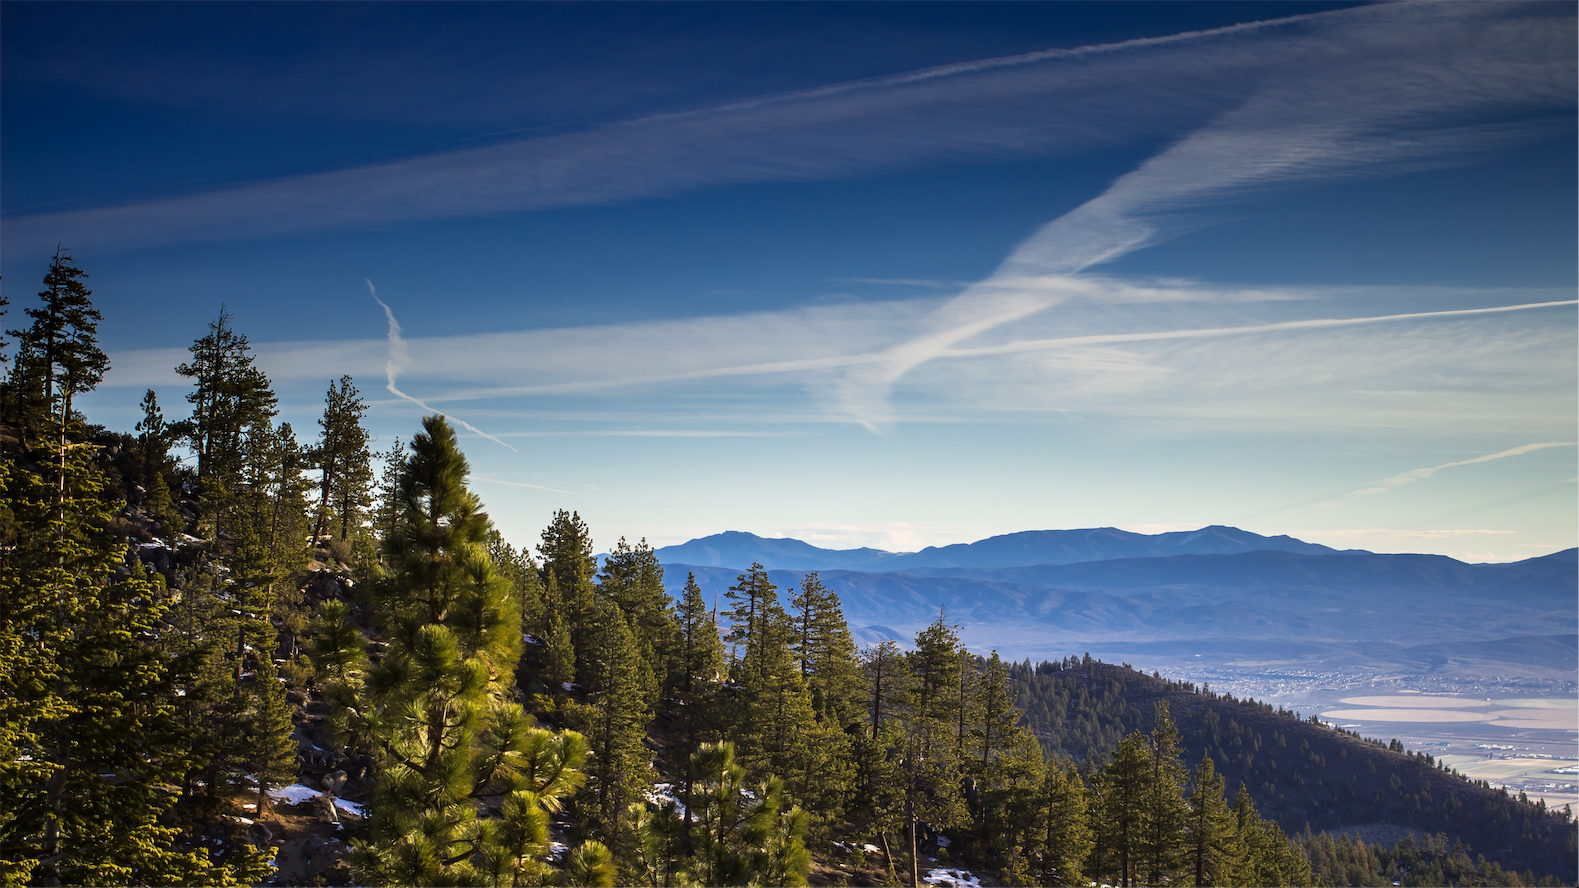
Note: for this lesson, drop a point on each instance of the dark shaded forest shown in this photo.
(234, 654)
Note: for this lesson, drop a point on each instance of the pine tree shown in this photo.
(565, 554)
(1212, 826)
(1125, 791)
(617, 722)
(273, 750)
(996, 728)
(91, 715)
(744, 835)
(1066, 832)
(59, 350)
(342, 459)
(632, 579)
(772, 709)
(436, 709)
(154, 452)
(696, 670)
(519, 571)
(1165, 842)
(230, 395)
(1265, 855)
(826, 652)
(885, 674)
(387, 509)
(931, 771)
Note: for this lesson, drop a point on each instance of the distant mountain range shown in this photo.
(1031, 547)
(1041, 593)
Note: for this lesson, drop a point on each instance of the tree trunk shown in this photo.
(323, 500)
(910, 818)
(54, 796)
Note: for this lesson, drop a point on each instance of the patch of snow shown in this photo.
(951, 878)
(568, 685)
(663, 794)
(943, 841)
(870, 848)
(556, 850)
(351, 807)
(295, 794)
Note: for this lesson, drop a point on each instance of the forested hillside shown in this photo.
(1304, 774)
(234, 654)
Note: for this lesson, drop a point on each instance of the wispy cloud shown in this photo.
(1226, 85)
(487, 480)
(1499, 362)
(399, 357)
(1373, 92)
(1414, 475)
(1027, 345)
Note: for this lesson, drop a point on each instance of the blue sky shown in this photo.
(866, 274)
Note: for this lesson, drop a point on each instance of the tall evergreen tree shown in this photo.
(154, 455)
(387, 506)
(744, 833)
(931, 771)
(230, 395)
(1066, 832)
(342, 459)
(772, 708)
(1213, 844)
(632, 579)
(619, 691)
(566, 559)
(437, 708)
(996, 728)
(888, 688)
(519, 571)
(1165, 843)
(95, 737)
(1126, 783)
(697, 669)
(826, 652)
(59, 350)
(1265, 856)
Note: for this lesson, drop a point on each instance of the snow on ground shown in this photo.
(556, 850)
(295, 794)
(951, 878)
(663, 794)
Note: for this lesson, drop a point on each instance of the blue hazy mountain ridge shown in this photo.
(1327, 598)
(739, 549)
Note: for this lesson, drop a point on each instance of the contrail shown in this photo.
(398, 355)
(1414, 475)
(1026, 345)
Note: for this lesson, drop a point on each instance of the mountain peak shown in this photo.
(739, 549)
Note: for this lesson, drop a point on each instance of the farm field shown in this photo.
(1528, 744)
(1554, 779)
